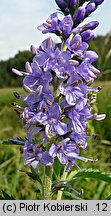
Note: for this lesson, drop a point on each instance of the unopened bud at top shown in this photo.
(63, 6)
(90, 8)
(67, 7)
(98, 2)
(79, 15)
(91, 25)
(87, 36)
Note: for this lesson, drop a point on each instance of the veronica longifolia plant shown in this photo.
(58, 83)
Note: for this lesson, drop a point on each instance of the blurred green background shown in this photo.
(11, 160)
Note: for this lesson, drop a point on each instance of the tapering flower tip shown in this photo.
(73, 62)
(90, 8)
(98, 2)
(17, 72)
(27, 89)
(100, 117)
(71, 3)
(97, 117)
(91, 25)
(79, 15)
(33, 49)
(63, 6)
(87, 36)
(25, 113)
(28, 67)
(66, 7)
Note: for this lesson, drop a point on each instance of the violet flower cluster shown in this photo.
(57, 83)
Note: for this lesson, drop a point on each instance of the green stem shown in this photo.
(63, 178)
(47, 182)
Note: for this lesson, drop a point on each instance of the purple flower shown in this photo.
(66, 26)
(91, 25)
(34, 155)
(67, 6)
(42, 93)
(76, 45)
(67, 153)
(51, 119)
(37, 77)
(62, 5)
(64, 150)
(63, 67)
(78, 116)
(48, 55)
(71, 93)
(79, 15)
(57, 86)
(87, 36)
(90, 8)
(96, 117)
(80, 139)
(98, 2)
(51, 24)
(86, 69)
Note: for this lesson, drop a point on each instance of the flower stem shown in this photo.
(47, 182)
(60, 192)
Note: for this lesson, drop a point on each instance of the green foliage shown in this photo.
(89, 173)
(6, 196)
(102, 45)
(7, 78)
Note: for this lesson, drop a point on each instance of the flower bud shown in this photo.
(79, 15)
(63, 6)
(28, 67)
(87, 36)
(98, 2)
(91, 25)
(72, 2)
(67, 7)
(33, 49)
(90, 8)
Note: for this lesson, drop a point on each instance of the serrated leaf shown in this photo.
(7, 196)
(108, 197)
(94, 174)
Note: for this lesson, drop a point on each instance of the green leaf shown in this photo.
(71, 195)
(6, 196)
(12, 141)
(106, 142)
(57, 168)
(89, 173)
(34, 176)
(108, 197)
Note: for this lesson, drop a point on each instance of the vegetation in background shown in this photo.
(7, 78)
(101, 44)
(11, 160)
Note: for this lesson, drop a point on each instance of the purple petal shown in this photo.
(61, 128)
(53, 150)
(46, 159)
